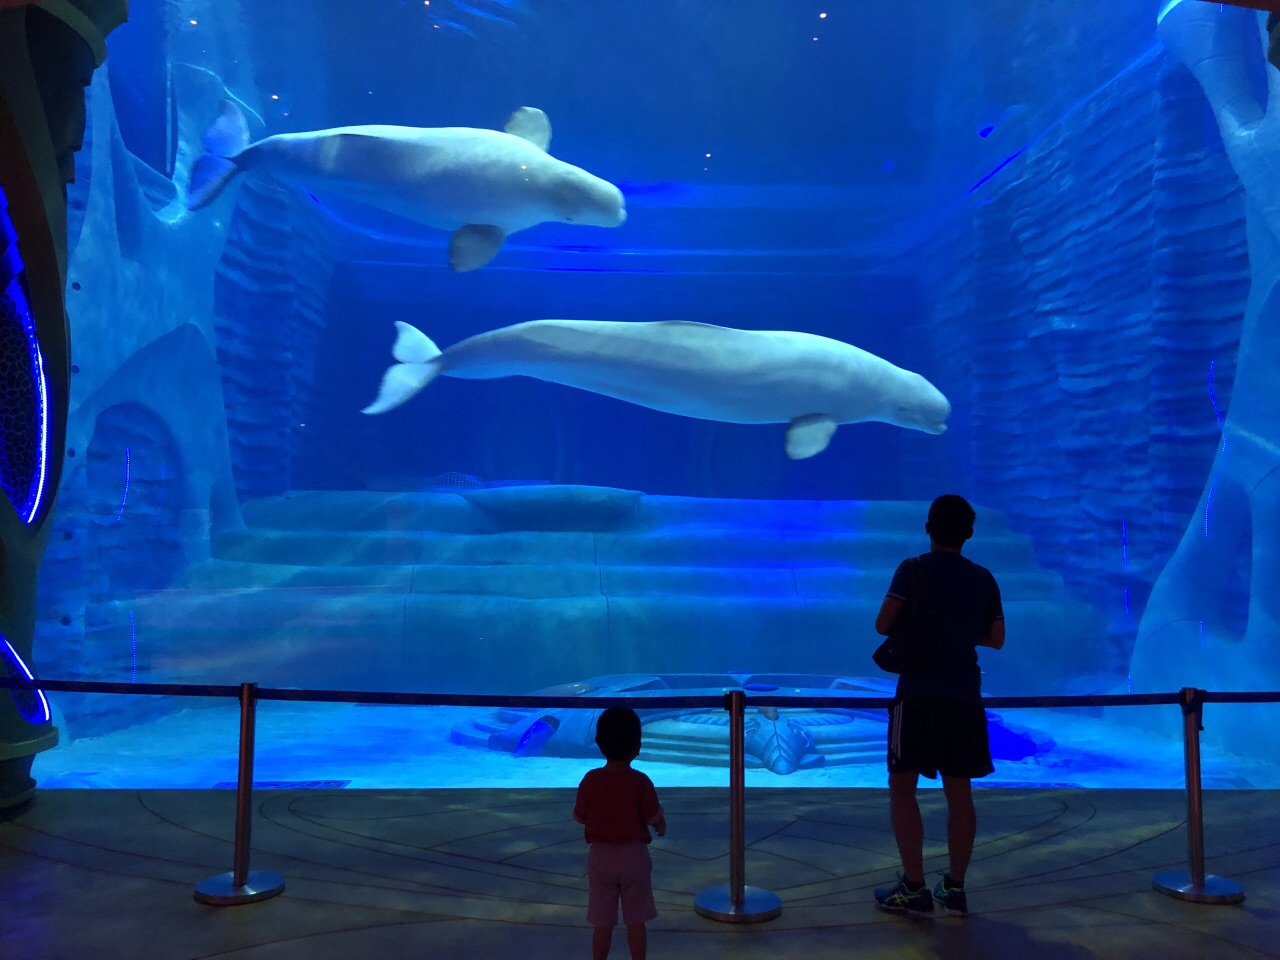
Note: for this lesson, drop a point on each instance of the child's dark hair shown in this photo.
(950, 521)
(618, 733)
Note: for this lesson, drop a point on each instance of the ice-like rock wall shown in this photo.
(148, 474)
(1190, 634)
(1088, 302)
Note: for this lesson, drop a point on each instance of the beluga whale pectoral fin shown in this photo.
(474, 245)
(530, 123)
(417, 364)
(809, 435)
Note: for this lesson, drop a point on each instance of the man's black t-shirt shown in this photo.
(958, 602)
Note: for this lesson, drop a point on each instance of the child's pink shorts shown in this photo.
(619, 871)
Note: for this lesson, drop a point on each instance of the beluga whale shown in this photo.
(699, 370)
(484, 185)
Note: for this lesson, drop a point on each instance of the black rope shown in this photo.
(597, 703)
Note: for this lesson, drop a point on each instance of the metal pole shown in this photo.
(737, 797)
(1192, 724)
(1193, 884)
(244, 781)
(737, 902)
(242, 885)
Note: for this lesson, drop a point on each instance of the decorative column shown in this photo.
(47, 56)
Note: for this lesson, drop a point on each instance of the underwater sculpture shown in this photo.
(691, 369)
(482, 184)
(780, 740)
(1185, 637)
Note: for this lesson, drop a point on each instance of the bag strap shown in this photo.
(915, 585)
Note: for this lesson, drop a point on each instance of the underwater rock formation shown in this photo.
(1187, 637)
(782, 740)
(148, 468)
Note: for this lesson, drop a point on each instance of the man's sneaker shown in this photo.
(899, 899)
(951, 898)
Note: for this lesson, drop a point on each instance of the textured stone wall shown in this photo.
(1086, 306)
(269, 302)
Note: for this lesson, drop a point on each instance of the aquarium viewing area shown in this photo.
(595, 350)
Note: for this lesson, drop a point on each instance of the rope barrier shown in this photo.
(851, 701)
(736, 902)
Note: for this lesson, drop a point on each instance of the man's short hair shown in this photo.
(950, 521)
(618, 733)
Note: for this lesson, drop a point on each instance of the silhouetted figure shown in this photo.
(937, 723)
(616, 806)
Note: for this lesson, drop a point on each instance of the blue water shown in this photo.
(1029, 206)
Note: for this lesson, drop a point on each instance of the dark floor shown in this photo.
(478, 873)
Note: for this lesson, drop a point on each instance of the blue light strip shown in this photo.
(43, 470)
(11, 655)
(124, 497)
(1213, 397)
(1004, 163)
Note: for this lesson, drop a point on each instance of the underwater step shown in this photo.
(571, 507)
(436, 591)
(572, 580)
(363, 639)
(684, 547)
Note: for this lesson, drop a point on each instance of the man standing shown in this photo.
(937, 724)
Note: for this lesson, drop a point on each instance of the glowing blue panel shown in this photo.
(24, 410)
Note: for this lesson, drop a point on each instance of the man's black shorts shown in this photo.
(929, 735)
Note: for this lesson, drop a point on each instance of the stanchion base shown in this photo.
(758, 905)
(220, 890)
(1177, 884)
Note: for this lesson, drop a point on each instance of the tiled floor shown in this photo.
(481, 873)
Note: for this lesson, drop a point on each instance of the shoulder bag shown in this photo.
(896, 653)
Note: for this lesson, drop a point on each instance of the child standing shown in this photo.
(616, 805)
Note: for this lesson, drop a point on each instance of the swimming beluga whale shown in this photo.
(696, 370)
(482, 184)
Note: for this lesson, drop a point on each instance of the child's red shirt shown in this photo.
(616, 805)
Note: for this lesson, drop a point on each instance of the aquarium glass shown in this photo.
(594, 347)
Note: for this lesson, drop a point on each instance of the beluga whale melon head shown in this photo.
(916, 404)
(483, 185)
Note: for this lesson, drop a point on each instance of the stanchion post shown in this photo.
(1192, 884)
(242, 885)
(737, 902)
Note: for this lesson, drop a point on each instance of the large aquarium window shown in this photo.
(518, 346)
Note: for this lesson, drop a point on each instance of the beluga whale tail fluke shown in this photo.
(417, 364)
(811, 383)
(482, 185)
(225, 140)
